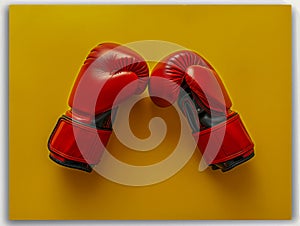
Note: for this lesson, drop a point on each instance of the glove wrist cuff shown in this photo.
(225, 141)
(73, 143)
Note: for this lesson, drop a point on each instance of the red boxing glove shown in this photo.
(223, 139)
(80, 136)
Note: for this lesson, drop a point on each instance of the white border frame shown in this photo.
(4, 114)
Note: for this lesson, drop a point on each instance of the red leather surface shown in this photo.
(209, 88)
(190, 71)
(228, 140)
(107, 70)
(173, 69)
(199, 75)
(78, 142)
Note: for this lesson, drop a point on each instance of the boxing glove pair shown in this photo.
(81, 134)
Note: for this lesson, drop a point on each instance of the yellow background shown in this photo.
(250, 47)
